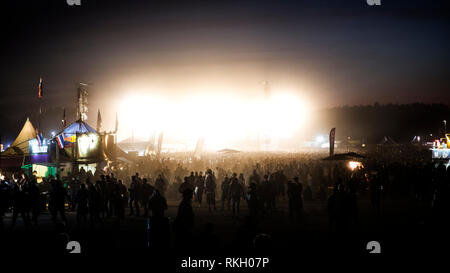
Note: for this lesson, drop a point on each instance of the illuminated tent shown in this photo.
(78, 126)
(21, 144)
(81, 128)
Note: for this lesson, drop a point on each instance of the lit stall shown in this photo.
(441, 150)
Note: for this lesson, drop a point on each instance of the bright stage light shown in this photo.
(354, 164)
(320, 139)
(220, 119)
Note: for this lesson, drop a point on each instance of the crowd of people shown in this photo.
(263, 182)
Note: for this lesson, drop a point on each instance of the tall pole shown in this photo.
(445, 127)
(57, 158)
(39, 118)
(1, 152)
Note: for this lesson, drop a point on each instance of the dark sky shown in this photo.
(340, 52)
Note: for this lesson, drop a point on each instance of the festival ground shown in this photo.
(400, 229)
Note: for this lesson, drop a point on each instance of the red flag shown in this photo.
(41, 91)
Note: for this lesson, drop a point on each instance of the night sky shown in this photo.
(338, 53)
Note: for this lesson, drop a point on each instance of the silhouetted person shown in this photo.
(118, 198)
(157, 204)
(5, 198)
(82, 203)
(267, 195)
(146, 192)
(253, 202)
(236, 192)
(94, 201)
(185, 185)
(58, 196)
(161, 184)
(134, 192)
(199, 188)
(225, 197)
(184, 222)
(19, 204)
(294, 193)
(109, 196)
(210, 190)
(34, 200)
(254, 178)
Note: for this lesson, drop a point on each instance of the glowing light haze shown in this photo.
(222, 119)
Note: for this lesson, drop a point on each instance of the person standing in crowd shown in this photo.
(94, 201)
(267, 195)
(19, 203)
(199, 188)
(109, 196)
(74, 187)
(294, 193)
(210, 190)
(225, 197)
(122, 199)
(34, 200)
(82, 199)
(161, 184)
(184, 222)
(253, 201)
(236, 192)
(242, 179)
(147, 191)
(5, 199)
(134, 192)
(158, 204)
(254, 178)
(185, 185)
(58, 195)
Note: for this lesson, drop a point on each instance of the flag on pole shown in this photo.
(99, 121)
(117, 124)
(64, 118)
(40, 138)
(60, 140)
(332, 137)
(41, 91)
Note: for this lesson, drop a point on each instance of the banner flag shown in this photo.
(60, 140)
(332, 138)
(41, 90)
